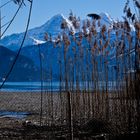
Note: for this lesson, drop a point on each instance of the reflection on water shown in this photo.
(11, 114)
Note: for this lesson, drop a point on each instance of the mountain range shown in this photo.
(52, 27)
(29, 61)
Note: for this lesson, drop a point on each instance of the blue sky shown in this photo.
(45, 9)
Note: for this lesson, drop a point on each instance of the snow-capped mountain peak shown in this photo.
(52, 27)
(106, 20)
(106, 16)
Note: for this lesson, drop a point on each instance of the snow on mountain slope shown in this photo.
(106, 20)
(37, 42)
(52, 26)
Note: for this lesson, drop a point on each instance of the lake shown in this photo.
(48, 86)
(29, 86)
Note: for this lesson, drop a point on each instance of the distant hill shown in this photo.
(24, 70)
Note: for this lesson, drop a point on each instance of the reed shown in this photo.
(95, 83)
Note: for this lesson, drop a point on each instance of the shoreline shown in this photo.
(54, 109)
